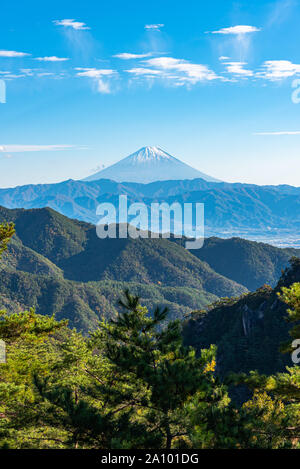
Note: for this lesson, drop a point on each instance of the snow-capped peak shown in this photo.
(149, 164)
(149, 153)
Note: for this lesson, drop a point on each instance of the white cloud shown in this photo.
(239, 29)
(47, 74)
(140, 71)
(52, 58)
(237, 68)
(71, 23)
(186, 71)
(12, 76)
(278, 69)
(223, 57)
(26, 148)
(12, 53)
(94, 72)
(284, 132)
(101, 77)
(155, 27)
(128, 56)
(29, 72)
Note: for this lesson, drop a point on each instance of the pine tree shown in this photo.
(7, 230)
(152, 373)
(141, 381)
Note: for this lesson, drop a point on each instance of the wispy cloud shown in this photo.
(29, 72)
(280, 12)
(284, 132)
(146, 72)
(223, 57)
(146, 77)
(100, 76)
(52, 58)
(26, 148)
(47, 74)
(71, 23)
(278, 69)
(94, 72)
(12, 53)
(154, 27)
(237, 68)
(187, 72)
(235, 40)
(128, 55)
(239, 29)
(13, 75)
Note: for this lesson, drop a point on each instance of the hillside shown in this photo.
(248, 331)
(247, 262)
(60, 266)
(75, 248)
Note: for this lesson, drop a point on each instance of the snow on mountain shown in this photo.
(149, 164)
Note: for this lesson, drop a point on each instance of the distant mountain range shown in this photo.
(59, 266)
(149, 164)
(245, 210)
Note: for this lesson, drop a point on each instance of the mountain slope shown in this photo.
(84, 304)
(247, 262)
(59, 266)
(149, 164)
(75, 248)
(248, 331)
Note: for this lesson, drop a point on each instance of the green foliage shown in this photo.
(7, 230)
(249, 263)
(291, 296)
(249, 331)
(141, 378)
(131, 384)
(65, 269)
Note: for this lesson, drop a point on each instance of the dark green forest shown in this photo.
(139, 379)
(59, 266)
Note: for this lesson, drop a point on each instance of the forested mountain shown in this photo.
(60, 266)
(248, 331)
(135, 381)
(247, 262)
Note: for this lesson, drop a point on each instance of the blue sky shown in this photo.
(88, 83)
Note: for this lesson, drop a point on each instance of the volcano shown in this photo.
(149, 164)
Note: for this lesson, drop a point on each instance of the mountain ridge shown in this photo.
(59, 266)
(241, 209)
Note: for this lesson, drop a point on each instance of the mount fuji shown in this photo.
(149, 164)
